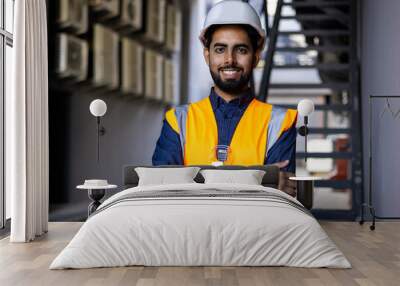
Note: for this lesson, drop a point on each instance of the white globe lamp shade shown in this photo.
(305, 107)
(98, 107)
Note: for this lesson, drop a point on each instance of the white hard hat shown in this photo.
(233, 12)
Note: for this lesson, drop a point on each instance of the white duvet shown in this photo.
(185, 231)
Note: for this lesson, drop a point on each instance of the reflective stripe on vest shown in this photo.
(260, 126)
(176, 118)
(282, 119)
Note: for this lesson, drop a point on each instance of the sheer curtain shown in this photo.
(27, 145)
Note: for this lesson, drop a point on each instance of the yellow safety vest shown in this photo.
(259, 128)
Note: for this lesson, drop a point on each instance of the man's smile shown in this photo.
(231, 73)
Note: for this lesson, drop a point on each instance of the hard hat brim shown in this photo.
(261, 33)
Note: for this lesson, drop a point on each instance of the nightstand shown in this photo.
(96, 190)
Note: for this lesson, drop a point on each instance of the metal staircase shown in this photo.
(330, 31)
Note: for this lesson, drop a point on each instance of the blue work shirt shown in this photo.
(227, 115)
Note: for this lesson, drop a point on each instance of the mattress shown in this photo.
(201, 225)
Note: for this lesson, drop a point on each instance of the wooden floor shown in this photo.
(375, 257)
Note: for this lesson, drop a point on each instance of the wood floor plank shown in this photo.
(374, 255)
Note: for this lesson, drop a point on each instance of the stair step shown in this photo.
(336, 86)
(314, 48)
(333, 155)
(314, 17)
(334, 184)
(319, 107)
(332, 66)
(342, 184)
(329, 131)
(316, 3)
(316, 32)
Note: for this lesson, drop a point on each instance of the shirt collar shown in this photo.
(242, 101)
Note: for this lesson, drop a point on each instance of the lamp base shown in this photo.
(95, 195)
(305, 190)
(305, 193)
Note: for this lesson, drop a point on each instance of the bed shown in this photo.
(201, 224)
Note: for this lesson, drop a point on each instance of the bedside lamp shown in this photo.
(305, 185)
(305, 108)
(98, 108)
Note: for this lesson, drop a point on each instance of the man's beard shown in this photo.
(232, 86)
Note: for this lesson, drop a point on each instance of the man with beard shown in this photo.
(230, 126)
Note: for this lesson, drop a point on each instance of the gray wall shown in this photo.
(380, 75)
(132, 128)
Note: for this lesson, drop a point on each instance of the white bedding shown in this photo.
(182, 231)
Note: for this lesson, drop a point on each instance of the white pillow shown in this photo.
(248, 177)
(163, 176)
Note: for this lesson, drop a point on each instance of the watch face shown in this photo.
(222, 152)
